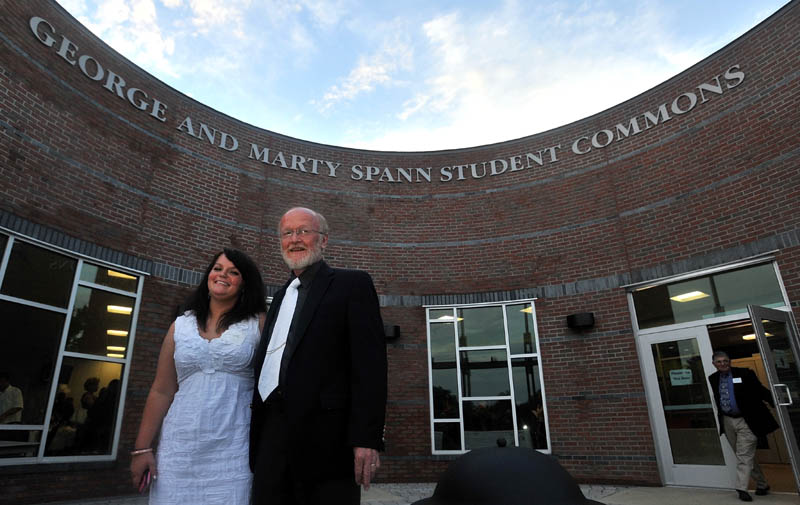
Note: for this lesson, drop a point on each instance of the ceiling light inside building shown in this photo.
(117, 333)
(688, 297)
(119, 309)
(120, 275)
(752, 336)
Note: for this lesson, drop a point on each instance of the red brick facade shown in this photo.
(707, 173)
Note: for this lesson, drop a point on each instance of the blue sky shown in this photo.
(413, 75)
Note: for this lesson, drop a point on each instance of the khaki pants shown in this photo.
(744, 442)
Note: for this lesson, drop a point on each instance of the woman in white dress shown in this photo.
(200, 398)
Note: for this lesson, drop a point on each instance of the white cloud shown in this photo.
(379, 68)
(75, 7)
(509, 74)
(219, 14)
(326, 13)
(131, 27)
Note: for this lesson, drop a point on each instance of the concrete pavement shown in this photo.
(404, 494)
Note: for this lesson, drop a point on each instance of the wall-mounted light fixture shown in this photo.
(581, 320)
(392, 331)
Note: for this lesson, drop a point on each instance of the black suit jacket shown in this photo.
(335, 381)
(750, 398)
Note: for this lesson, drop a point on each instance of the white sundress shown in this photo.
(202, 455)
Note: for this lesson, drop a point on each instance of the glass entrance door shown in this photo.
(687, 437)
(777, 337)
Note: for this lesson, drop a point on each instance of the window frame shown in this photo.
(80, 259)
(509, 367)
(767, 258)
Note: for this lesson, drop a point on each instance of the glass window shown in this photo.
(39, 275)
(443, 344)
(19, 443)
(85, 408)
(108, 277)
(531, 426)
(100, 323)
(30, 340)
(481, 326)
(81, 396)
(447, 436)
(486, 422)
(521, 336)
(484, 373)
(691, 423)
(441, 315)
(714, 295)
(486, 382)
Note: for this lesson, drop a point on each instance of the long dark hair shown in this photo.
(252, 296)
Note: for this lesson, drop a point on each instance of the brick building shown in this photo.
(562, 291)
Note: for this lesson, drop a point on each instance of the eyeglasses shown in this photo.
(300, 232)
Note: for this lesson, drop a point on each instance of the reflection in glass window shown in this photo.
(447, 436)
(441, 315)
(29, 345)
(486, 381)
(109, 277)
(100, 323)
(521, 336)
(85, 408)
(486, 422)
(3, 242)
(531, 426)
(484, 373)
(691, 422)
(480, 326)
(714, 295)
(443, 344)
(445, 393)
(69, 404)
(39, 275)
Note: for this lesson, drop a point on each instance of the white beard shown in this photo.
(313, 254)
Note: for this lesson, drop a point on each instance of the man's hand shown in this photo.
(367, 463)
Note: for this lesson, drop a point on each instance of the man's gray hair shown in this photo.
(323, 223)
(718, 354)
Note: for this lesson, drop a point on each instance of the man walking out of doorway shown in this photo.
(743, 418)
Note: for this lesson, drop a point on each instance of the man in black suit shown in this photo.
(320, 396)
(743, 418)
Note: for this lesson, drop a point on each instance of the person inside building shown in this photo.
(744, 419)
(319, 408)
(202, 454)
(10, 401)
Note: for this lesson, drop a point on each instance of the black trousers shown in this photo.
(276, 482)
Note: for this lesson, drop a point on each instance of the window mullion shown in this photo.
(59, 360)
(510, 377)
(457, 337)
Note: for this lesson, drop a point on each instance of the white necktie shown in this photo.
(270, 372)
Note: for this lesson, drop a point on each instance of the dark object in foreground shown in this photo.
(507, 476)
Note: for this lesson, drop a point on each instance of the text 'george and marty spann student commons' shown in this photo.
(562, 291)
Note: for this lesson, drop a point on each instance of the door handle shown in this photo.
(788, 395)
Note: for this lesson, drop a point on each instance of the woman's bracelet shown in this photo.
(136, 452)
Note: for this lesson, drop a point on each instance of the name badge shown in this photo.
(737, 380)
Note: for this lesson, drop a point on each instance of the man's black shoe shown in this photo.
(761, 491)
(744, 495)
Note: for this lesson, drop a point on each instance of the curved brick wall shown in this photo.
(696, 172)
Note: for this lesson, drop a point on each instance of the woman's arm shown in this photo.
(158, 401)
